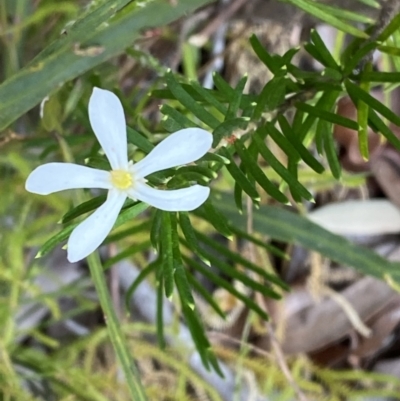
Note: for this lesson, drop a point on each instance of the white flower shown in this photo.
(125, 179)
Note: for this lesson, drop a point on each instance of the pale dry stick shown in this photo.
(318, 288)
(280, 358)
(235, 341)
(277, 350)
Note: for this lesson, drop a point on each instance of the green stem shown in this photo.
(114, 329)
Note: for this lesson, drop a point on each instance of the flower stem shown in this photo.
(113, 325)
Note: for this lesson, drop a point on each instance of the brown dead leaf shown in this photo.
(325, 322)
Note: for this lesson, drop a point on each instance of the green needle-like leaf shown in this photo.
(83, 208)
(258, 174)
(217, 219)
(227, 286)
(139, 140)
(272, 95)
(272, 63)
(209, 98)
(239, 177)
(378, 125)
(356, 93)
(168, 267)
(280, 168)
(191, 104)
(205, 295)
(327, 116)
(325, 57)
(124, 216)
(304, 153)
(311, 7)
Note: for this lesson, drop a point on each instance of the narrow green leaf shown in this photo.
(217, 219)
(237, 193)
(331, 155)
(305, 155)
(181, 120)
(83, 208)
(362, 119)
(379, 77)
(228, 127)
(190, 236)
(269, 157)
(326, 102)
(160, 306)
(327, 116)
(320, 132)
(55, 240)
(139, 140)
(234, 101)
(207, 297)
(239, 177)
(356, 92)
(217, 280)
(325, 56)
(223, 86)
(209, 97)
(311, 7)
(272, 64)
(263, 244)
(305, 128)
(286, 226)
(236, 257)
(215, 157)
(88, 43)
(198, 334)
(204, 171)
(191, 104)
(280, 140)
(391, 50)
(350, 65)
(392, 27)
(332, 74)
(155, 231)
(183, 286)
(342, 13)
(168, 267)
(378, 125)
(271, 96)
(130, 213)
(258, 174)
(124, 216)
(231, 271)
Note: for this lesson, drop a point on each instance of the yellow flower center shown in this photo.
(121, 179)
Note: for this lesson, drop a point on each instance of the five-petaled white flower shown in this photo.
(125, 179)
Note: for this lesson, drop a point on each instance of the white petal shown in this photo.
(89, 235)
(182, 147)
(54, 177)
(107, 118)
(176, 200)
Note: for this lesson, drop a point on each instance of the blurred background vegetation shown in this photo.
(301, 228)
